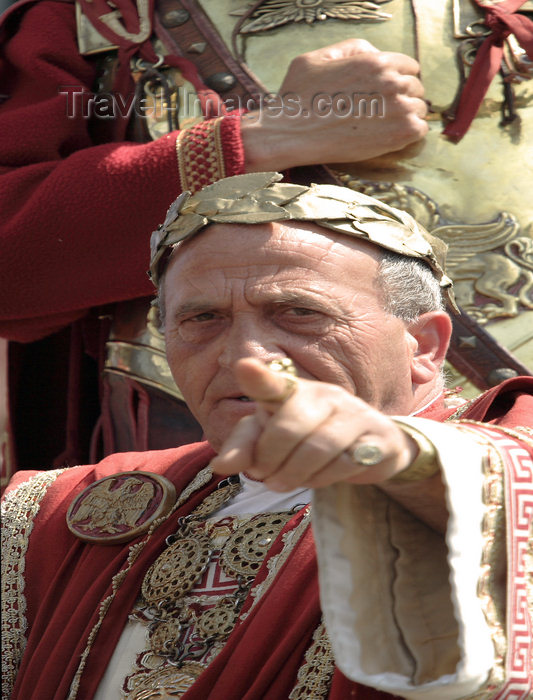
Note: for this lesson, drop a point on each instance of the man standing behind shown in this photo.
(215, 594)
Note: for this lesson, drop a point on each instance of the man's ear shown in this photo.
(431, 333)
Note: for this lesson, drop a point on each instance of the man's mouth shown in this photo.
(243, 398)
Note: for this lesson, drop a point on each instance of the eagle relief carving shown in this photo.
(111, 505)
(275, 13)
(491, 264)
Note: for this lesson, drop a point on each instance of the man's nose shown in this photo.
(249, 338)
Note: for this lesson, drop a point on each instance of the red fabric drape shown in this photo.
(67, 580)
(51, 157)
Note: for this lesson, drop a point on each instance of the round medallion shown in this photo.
(245, 550)
(215, 500)
(164, 636)
(218, 621)
(120, 507)
(176, 570)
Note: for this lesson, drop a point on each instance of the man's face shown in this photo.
(280, 290)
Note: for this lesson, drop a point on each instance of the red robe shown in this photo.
(78, 206)
(92, 247)
(66, 584)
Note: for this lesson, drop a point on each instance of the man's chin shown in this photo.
(224, 418)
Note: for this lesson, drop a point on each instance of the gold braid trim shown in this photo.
(200, 155)
(275, 563)
(201, 479)
(315, 674)
(462, 409)
(19, 509)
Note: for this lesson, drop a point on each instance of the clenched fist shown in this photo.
(343, 103)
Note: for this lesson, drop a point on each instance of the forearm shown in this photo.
(420, 589)
(78, 216)
(440, 599)
(89, 234)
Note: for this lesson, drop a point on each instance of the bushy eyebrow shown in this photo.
(195, 307)
(305, 298)
(300, 298)
(313, 298)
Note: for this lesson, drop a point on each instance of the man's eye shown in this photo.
(205, 316)
(198, 328)
(301, 311)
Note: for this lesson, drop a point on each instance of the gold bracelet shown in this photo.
(425, 464)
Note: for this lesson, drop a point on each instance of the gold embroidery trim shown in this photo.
(173, 681)
(200, 155)
(315, 674)
(275, 563)
(201, 479)
(19, 509)
(184, 627)
(150, 667)
(462, 409)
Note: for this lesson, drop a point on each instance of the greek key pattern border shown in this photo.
(517, 463)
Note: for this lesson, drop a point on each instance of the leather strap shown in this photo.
(478, 355)
(184, 28)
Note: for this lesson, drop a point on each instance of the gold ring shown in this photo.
(285, 368)
(366, 454)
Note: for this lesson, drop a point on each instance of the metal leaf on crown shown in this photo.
(261, 197)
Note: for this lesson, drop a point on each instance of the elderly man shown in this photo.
(306, 329)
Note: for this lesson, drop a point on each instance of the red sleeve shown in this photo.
(77, 217)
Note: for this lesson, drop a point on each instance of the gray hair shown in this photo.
(408, 287)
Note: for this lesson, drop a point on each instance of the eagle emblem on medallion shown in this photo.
(120, 507)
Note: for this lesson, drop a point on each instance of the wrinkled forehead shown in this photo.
(266, 265)
(298, 243)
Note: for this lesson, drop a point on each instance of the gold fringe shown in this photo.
(19, 509)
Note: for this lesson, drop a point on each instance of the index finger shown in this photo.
(261, 384)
